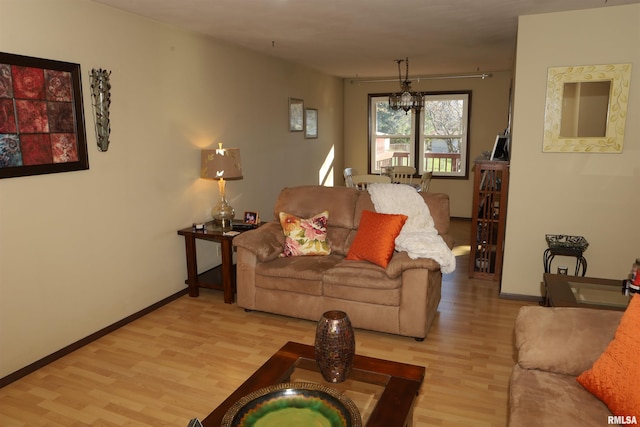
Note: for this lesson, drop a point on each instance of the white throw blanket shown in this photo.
(419, 236)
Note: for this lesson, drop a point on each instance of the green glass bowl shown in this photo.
(293, 405)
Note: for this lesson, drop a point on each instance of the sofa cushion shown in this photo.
(375, 240)
(305, 236)
(615, 376)
(539, 398)
(295, 274)
(361, 281)
(305, 268)
(562, 339)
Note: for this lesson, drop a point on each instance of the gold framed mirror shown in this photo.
(586, 108)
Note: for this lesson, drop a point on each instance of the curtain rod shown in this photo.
(417, 79)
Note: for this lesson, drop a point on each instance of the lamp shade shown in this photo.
(221, 163)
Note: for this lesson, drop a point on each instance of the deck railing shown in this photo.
(436, 162)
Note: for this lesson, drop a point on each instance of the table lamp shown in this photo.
(221, 164)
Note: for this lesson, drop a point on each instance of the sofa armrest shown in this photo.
(449, 240)
(400, 262)
(266, 242)
(563, 340)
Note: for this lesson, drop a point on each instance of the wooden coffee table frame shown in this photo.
(394, 408)
(558, 291)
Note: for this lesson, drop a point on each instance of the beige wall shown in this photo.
(591, 195)
(81, 250)
(489, 116)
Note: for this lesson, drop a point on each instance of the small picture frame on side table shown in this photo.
(310, 123)
(251, 218)
(296, 115)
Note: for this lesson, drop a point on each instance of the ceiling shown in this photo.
(363, 38)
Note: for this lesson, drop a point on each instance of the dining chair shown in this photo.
(425, 181)
(403, 174)
(362, 181)
(348, 174)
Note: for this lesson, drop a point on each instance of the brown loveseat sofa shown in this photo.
(401, 299)
(555, 345)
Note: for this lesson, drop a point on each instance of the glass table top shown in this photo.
(597, 294)
(364, 388)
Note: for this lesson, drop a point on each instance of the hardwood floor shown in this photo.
(183, 359)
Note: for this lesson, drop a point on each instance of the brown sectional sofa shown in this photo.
(401, 299)
(555, 345)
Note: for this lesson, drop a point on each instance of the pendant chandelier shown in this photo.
(406, 99)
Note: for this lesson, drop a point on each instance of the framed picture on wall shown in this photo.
(296, 115)
(310, 123)
(42, 126)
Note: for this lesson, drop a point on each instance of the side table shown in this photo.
(221, 277)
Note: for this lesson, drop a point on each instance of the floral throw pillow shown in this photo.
(305, 236)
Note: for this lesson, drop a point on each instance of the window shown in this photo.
(392, 139)
(439, 135)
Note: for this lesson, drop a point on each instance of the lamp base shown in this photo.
(223, 224)
(223, 214)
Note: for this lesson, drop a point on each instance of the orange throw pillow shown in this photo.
(376, 237)
(615, 377)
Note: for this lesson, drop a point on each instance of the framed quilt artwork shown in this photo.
(42, 126)
(310, 123)
(296, 115)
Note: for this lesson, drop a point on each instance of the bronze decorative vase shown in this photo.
(335, 346)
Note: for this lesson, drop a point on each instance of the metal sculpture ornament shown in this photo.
(101, 97)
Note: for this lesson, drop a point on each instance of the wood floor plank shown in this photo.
(185, 358)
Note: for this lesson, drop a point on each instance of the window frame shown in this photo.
(417, 136)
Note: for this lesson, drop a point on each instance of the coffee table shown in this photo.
(384, 391)
(576, 291)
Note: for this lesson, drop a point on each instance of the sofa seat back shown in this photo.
(310, 200)
(345, 206)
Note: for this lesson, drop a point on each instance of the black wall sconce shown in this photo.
(101, 96)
